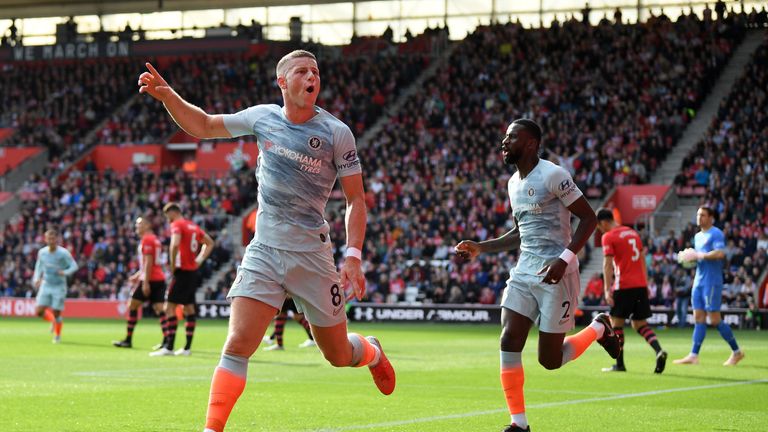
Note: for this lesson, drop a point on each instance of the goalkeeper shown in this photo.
(708, 253)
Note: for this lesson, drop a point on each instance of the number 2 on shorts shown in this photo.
(567, 306)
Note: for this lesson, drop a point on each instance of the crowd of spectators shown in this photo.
(731, 163)
(96, 213)
(354, 89)
(56, 104)
(612, 100)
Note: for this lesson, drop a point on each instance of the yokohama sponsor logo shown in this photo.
(308, 163)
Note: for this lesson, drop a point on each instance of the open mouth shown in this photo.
(310, 89)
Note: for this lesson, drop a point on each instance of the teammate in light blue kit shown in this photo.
(302, 151)
(544, 286)
(54, 264)
(707, 293)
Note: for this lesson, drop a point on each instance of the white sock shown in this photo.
(520, 420)
(376, 357)
(599, 328)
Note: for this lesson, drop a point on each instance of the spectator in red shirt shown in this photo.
(593, 294)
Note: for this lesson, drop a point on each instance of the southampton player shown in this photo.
(544, 286)
(148, 282)
(185, 260)
(626, 288)
(707, 291)
(54, 263)
(302, 150)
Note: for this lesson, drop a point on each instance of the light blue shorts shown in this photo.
(550, 307)
(309, 277)
(50, 298)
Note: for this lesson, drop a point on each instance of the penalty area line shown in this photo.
(540, 405)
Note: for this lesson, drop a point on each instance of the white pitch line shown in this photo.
(541, 405)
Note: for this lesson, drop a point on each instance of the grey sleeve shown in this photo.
(345, 153)
(38, 269)
(560, 183)
(72, 267)
(242, 123)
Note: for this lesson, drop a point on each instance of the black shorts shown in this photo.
(183, 287)
(156, 292)
(631, 303)
(288, 305)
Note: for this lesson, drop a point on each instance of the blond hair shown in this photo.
(280, 69)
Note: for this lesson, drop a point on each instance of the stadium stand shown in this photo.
(96, 213)
(55, 105)
(729, 168)
(354, 89)
(434, 175)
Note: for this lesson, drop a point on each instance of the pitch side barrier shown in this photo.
(468, 313)
(376, 312)
(664, 316)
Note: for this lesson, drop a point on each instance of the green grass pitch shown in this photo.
(447, 381)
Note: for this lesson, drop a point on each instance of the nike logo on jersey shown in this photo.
(337, 310)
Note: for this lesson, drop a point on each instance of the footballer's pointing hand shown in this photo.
(153, 83)
(352, 273)
(467, 250)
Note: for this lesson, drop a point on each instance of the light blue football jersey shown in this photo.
(48, 266)
(539, 204)
(709, 273)
(297, 167)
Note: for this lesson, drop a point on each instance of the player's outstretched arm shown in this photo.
(192, 119)
(468, 249)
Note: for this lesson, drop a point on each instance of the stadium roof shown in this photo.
(45, 8)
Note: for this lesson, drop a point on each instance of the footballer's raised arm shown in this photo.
(191, 118)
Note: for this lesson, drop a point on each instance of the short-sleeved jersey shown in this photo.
(539, 204)
(709, 272)
(189, 245)
(150, 245)
(625, 246)
(298, 165)
(48, 266)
